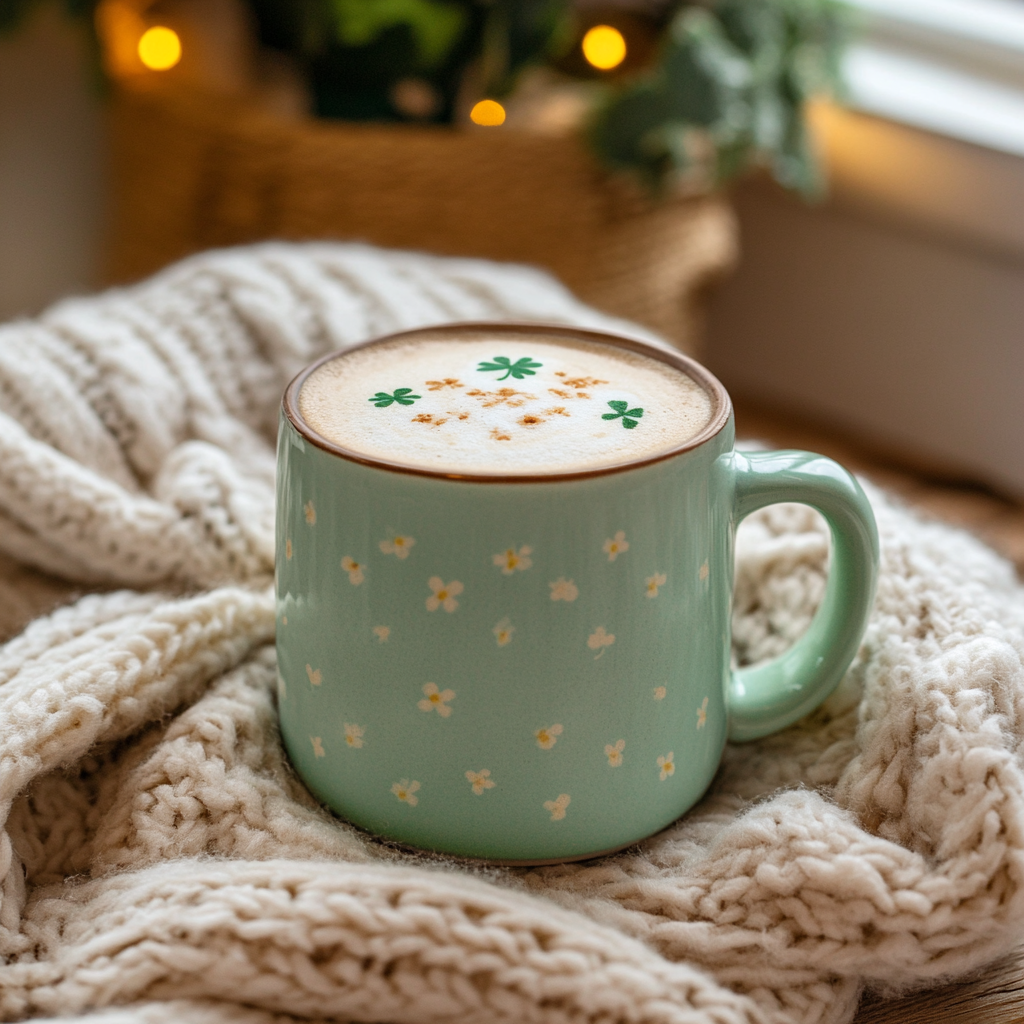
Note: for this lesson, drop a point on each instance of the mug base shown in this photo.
(492, 862)
(499, 862)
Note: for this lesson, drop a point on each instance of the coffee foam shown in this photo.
(464, 418)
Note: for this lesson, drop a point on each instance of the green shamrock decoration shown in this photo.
(629, 416)
(403, 396)
(519, 369)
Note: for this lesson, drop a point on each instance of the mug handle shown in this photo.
(767, 698)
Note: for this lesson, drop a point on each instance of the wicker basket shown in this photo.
(191, 173)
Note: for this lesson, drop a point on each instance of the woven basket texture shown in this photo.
(195, 172)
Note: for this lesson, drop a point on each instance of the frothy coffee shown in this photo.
(516, 403)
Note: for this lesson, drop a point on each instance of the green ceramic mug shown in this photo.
(537, 669)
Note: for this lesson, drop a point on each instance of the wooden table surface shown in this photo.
(996, 994)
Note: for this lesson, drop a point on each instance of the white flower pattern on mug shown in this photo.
(600, 640)
(557, 807)
(564, 590)
(436, 699)
(654, 582)
(354, 569)
(406, 791)
(615, 546)
(702, 714)
(503, 632)
(614, 752)
(444, 594)
(548, 736)
(481, 780)
(398, 546)
(511, 560)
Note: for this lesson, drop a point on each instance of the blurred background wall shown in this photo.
(893, 313)
(52, 181)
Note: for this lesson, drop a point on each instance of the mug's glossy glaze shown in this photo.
(538, 669)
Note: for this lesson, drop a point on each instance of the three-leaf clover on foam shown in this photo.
(403, 396)
(629, 416)
(519, 369)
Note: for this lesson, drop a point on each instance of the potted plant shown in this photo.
(724, 89)
(625, 203)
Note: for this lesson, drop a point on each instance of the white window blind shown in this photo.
(955, 67)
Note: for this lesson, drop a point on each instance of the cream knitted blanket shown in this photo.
(159, 860)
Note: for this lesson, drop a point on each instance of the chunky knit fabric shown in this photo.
(160, 862)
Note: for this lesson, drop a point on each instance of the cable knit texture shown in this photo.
(159, 860)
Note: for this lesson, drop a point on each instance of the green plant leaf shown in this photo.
(703, 73)
(521, 368)
(625, 130)
(436, 25)
(403, 396)
(729, 92)
(520, 33)
(623, 412)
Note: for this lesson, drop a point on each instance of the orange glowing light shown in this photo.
(488, 112)
(604, 47)
(159, 48)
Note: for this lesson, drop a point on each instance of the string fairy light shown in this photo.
(159, 48)
(488, 112)
(604, 47)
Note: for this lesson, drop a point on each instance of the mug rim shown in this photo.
(721, 403)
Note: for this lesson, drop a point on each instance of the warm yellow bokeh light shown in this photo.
(604, 47)
(487, 112)
(159, 48)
